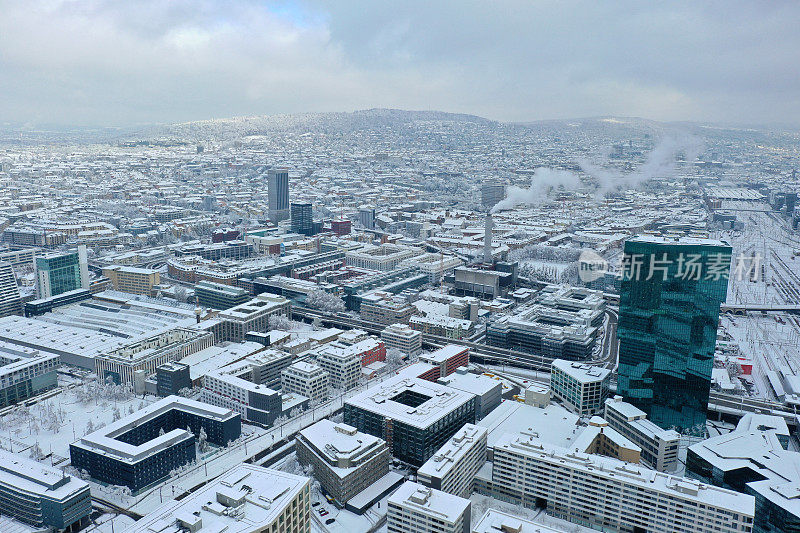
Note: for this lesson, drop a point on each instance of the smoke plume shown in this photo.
(543, 181)
(661, 162)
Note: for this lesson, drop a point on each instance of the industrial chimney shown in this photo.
(487, 240)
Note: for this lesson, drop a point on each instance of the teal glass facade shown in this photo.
(62, 271)
(670, 297)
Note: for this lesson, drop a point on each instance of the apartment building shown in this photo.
(133, 280)
(659, 446)
(453, 467)
(403, 338)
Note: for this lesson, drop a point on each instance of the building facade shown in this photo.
(345, 460)
(61, 272)
(307, 379)
(659, 446)
(144, 447)
(402, 337)
(416, 417)
(607, 494)
(133, 280)
(10, 301)
(219, 295)
(582, 388)
(453, 467)
(669, 312)
(302, 218)
(42, 496)
(278, 194)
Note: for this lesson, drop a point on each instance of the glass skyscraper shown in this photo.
(60, 273)
(302, 218)
(670, 296)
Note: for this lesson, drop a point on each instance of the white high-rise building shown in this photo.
(10, 301)
(582, 388)
(415, 508)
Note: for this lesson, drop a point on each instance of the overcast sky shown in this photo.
(125, 62)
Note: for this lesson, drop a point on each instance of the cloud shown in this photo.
(107, 62)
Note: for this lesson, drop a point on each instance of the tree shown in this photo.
(115, 414)
(325, 301)
(202, 440)
(394, 358)
(280, 322)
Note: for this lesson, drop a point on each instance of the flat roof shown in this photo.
(264, 494)
(430, 502)
(37, 478)
(441, 400)
(494, 521)
(445, 352)
(553, 423)
(453, 450)
(104, 440)
(582, 372)
(340, 444)
(628, 473)
(474, 383)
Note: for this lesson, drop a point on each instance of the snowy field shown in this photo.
(46, 429)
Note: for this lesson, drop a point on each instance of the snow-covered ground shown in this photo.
(49, 426)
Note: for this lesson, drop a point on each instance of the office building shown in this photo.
(133, 280)
(41, 496)
(25, 372)
(345, 460)
(385, 308)
(402, 337)
(659, 446)
(415, 508)
(142, 448)
(219, 295)
(41, 306)
(342, 365)
(131, 360)
(752, 460)
(255, 403)
(306, 379)
(278, 194)
(543, 330)
(492, 193)
(302, 219)
(366, 216)
(488, 390)
(10, 300)
(246, 499)
(483, 284)
(583, 389)
(415, 416)
(442, 326)
(172, 377)
(608, 494)
(447, 359)
(57, 273)
(453, 467)
(669, 311)
(252, 315)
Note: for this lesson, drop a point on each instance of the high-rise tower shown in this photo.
(278, 192)
(669, 311)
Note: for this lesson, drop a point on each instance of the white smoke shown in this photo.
(661, 162)
(543, 182)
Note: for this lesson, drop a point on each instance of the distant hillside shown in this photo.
(369, 119)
